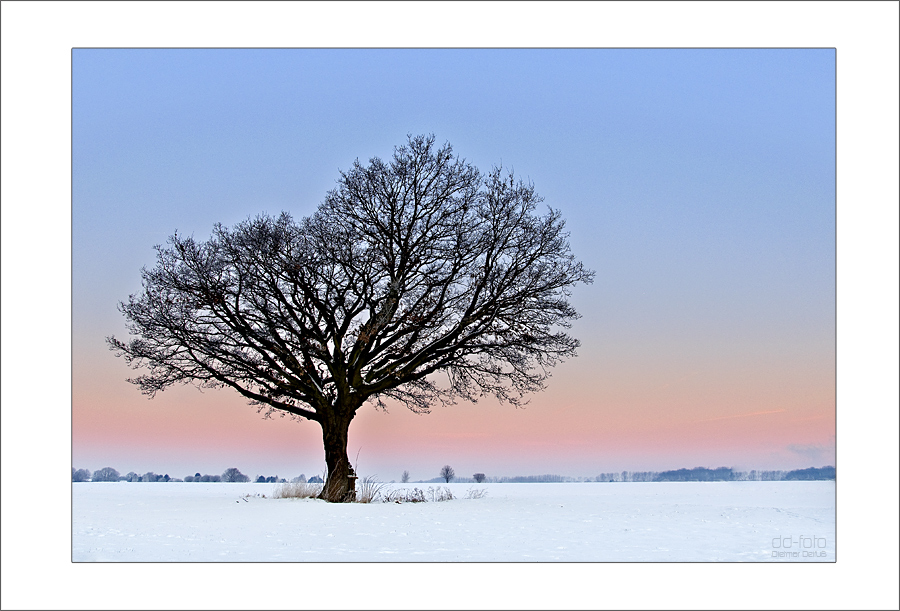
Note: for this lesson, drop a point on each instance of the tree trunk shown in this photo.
(337, 488)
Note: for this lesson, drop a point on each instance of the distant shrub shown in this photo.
(80, 475)
(315, 479)
(106, 474)
(234, 475)
(188, 478)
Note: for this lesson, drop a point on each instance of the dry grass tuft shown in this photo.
(416, 495)
(440, 494)
(403, 496)
(297, 490)
(368, 490)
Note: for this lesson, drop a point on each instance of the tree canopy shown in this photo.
(408, 269)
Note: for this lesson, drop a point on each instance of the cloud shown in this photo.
(811, 451)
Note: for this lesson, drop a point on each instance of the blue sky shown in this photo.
(698, 183)
(660, 158)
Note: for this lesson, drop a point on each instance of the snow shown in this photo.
(548, 522)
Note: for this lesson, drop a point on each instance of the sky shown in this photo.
(699, 185)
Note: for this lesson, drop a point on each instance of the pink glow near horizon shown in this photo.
(694, 421)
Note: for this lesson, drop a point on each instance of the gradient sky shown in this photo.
(698, 184)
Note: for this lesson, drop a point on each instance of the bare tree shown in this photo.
(447, 473)
(478, 477)
(405, 477)
(409, 268)
(80, 475)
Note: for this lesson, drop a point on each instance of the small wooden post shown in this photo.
(351, 485)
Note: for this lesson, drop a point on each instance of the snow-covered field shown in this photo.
(581, 522)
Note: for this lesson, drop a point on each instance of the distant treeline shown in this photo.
(108, 474)
(722, 474)
(517, 479)
(812, 473)
(697, 474)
